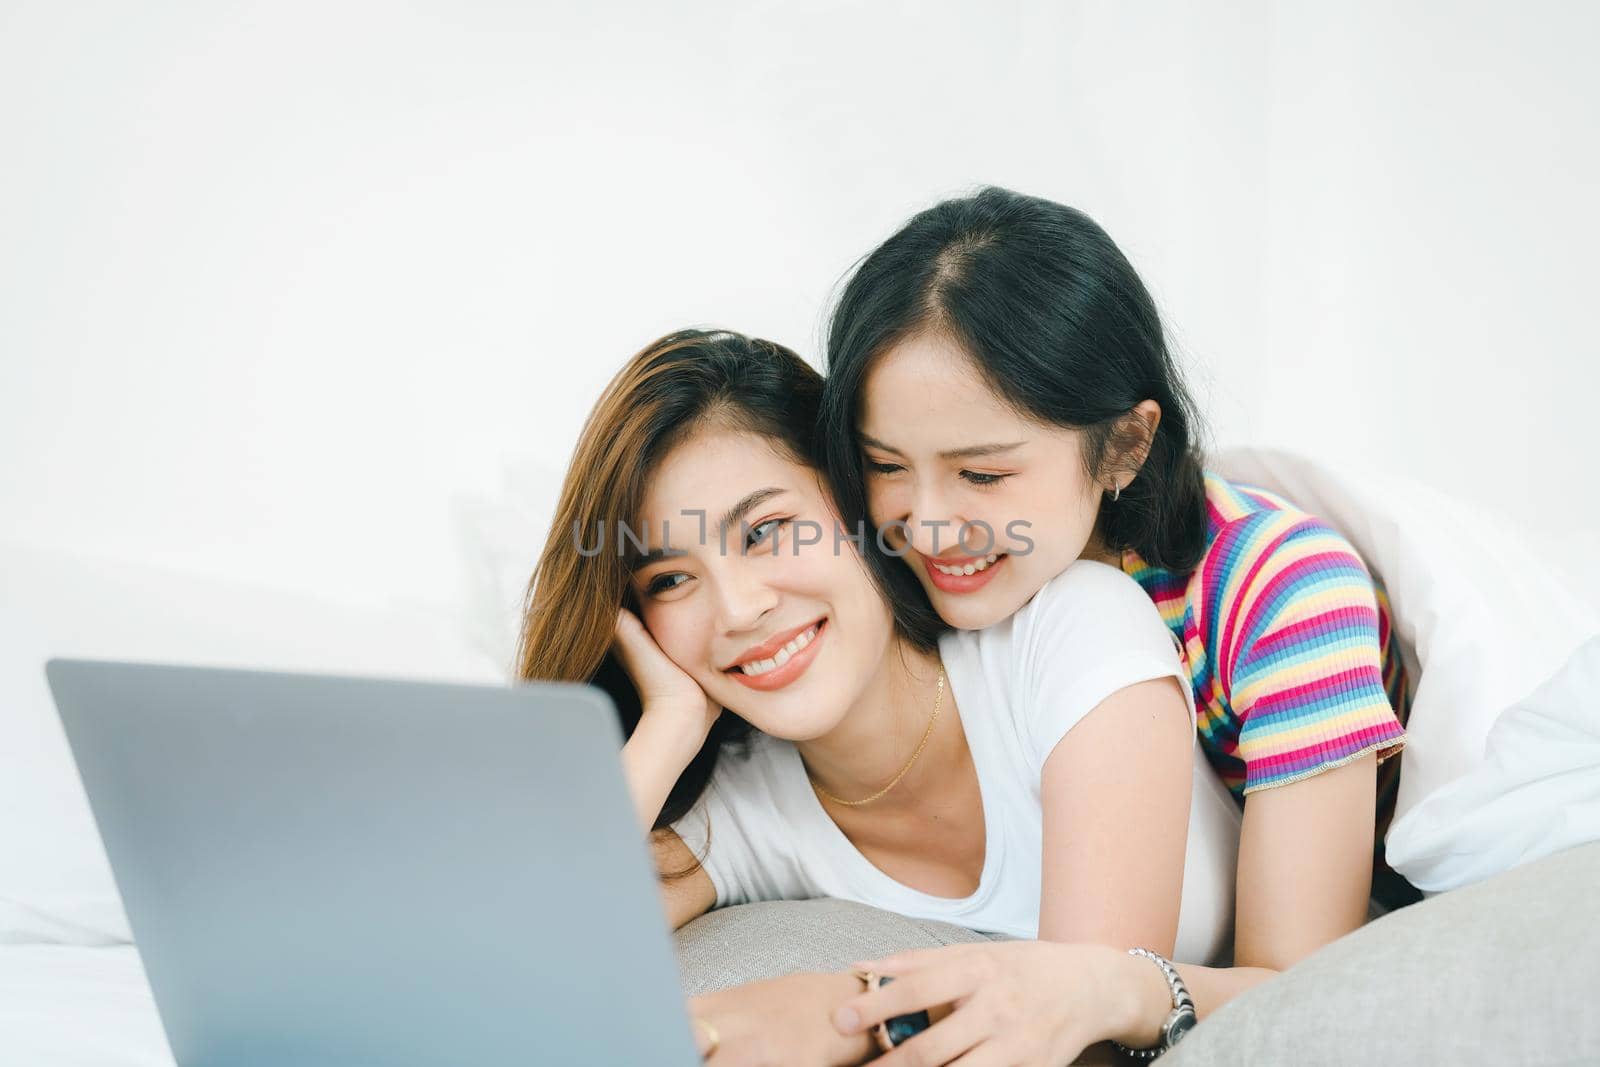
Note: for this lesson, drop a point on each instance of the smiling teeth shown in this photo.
(762, 666)
(970, 568)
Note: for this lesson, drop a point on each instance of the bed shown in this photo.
(1498, 972)
(72, 990)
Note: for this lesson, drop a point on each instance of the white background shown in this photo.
(316, 296)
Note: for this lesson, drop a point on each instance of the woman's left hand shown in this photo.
(1015, 1002)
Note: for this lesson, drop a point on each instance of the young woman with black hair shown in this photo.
(1001, 405)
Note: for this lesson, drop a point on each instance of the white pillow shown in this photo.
(1481, 622)
(1537, 791)
(55, 883)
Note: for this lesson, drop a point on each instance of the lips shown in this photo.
(770, 647)
(787, 655)
(942, 572)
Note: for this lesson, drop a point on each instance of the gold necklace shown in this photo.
(937, 700)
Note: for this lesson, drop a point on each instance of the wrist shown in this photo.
(651, 767)
(662, 743)
(1142, 1001)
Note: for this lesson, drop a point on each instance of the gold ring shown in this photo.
(711, 1036)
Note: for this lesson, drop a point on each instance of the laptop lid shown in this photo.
(325, 870)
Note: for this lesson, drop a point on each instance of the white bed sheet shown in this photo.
(71, 1006)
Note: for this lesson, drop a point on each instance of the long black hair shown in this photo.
(1058, 323)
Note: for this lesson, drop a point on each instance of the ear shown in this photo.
(1135, 433)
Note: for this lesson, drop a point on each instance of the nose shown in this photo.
(743, 598)
(933, 528)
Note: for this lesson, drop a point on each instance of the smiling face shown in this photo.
(940, 450)
(785, 635)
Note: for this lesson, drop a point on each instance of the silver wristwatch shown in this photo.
(1179, 1021)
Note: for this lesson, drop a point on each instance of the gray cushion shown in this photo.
(752, 942)
(1499, 972)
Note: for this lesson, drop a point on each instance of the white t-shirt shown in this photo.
(1019, 686)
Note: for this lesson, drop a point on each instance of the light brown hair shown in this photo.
(676, 384)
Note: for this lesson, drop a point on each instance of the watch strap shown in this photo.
(1182, 1004)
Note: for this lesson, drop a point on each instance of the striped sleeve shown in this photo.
(1300, 654)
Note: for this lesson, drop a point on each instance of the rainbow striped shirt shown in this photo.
(1287, 639)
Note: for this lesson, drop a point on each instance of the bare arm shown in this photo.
(1305, 873)
(676, 718)
(652, 761)
(1115, 794)
(686, 896)
(1305, 848)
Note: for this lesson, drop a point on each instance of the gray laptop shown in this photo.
(341, 871)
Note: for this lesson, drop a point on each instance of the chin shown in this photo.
(971, 612)
(797, 728)
(788, 717)
(970, 619)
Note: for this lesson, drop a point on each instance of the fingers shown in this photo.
(629, 629)
(634, 644)
(917, 991)
(939, 1044)
(903, 962)
(706, 1038)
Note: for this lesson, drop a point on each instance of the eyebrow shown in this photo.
(749, 503)
(731, 517)
(953, 453)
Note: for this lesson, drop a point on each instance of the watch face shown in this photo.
(1178, 1024)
